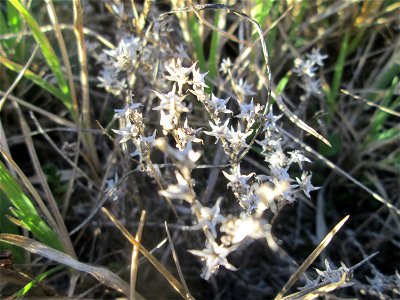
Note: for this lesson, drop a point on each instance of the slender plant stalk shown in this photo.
(87, 137)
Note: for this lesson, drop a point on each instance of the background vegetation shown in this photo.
(59, 156)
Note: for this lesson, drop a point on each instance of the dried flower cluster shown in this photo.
(236, 124)
(307, 69)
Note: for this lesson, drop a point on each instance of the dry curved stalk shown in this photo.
(103, 275)
(88, 140)
(310, 259)
(19, 77)
(160, 268)
(370, 103)
(135, 255)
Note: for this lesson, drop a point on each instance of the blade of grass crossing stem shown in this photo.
(293, 34)
(7, 44)
(135, 256)
(9, 227)
(178, 266)
(84, 77)
(219, 22)
(19, 77)
(38, 279)
(282, 84)
(260, 12)
(43, 210)
(103, 275)
(36, 79)
(64, 52)
(60, 229)
(310, 259)
(385, 78)
(13, 26)
(194, 29)
(380, 117)
(272, 34)
(337, 77)
(48, 53)
(160, 268)
(13, 18)
(26, 211)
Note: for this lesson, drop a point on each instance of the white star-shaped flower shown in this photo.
(305, 184)
(181, 190)
(215, 256)
(218, 105)
(219, 131)
(237, 178)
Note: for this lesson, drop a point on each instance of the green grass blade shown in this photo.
(380, 116)
(389, 134)
(261, 11)
(38, 80)
(213, 58)
(8, 227)
(3, 30)
(26, 211)
(293, 34)
(194, 29)
(273, 33)
(337, 77)
(25, 290)
(45, 46)
(282, 83)
(13, 17)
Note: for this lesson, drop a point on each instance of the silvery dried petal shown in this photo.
(198, 79)
(270, 121)
(121, 112)
(237, 177)
(219, 131)
(297, 157)
(178, 73)
(226, 65)
(218, 105)
(305, 184)
(171, 102)
(166, 121)
(209, 217)
(304, 67)
(245, 88)
(237, 139)
(215, 256)
(181, 190)
(317, 57)
(130, 131)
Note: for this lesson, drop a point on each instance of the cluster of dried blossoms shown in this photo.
(307, 69)
(236, 123)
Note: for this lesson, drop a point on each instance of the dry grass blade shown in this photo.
(160, 268)
(310, 259)
(56, 119)
(70, 162)
(103, 275)
(49, 28)
(178, 266)
(322, 290)
(84, 77)
(135, 255)
(19, 77)
(28, 185)
(370, 103)
(293, 118)
(51, 201)
(61, 43)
